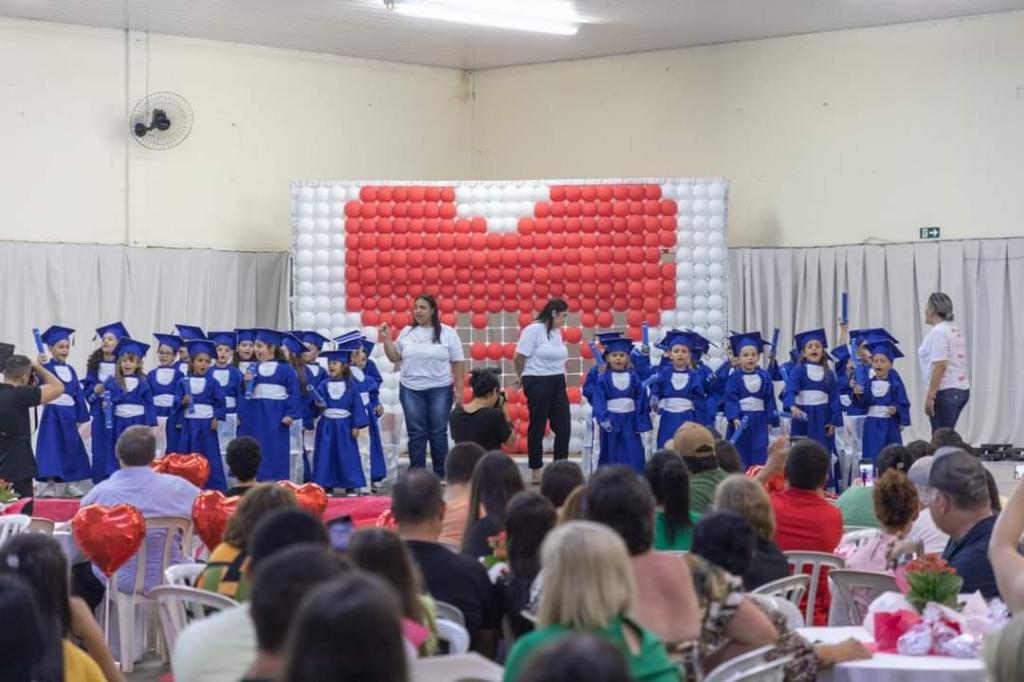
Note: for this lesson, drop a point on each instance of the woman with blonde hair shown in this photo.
(588, 586)
(747, 497)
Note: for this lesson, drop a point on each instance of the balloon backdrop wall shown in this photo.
(622, 253)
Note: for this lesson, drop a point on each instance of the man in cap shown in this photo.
(924, 529)
(696, 445)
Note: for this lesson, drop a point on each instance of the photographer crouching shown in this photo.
(484, 419)
(18, 393)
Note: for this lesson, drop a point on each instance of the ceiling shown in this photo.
(364, 28)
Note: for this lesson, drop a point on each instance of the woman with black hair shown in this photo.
(670, 482)
(496, 480)
(540, 365)
(427, 354)
(484, 419)
(529, 519)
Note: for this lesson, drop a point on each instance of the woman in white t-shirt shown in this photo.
(428, 354)
(540, 366)
(943, 359)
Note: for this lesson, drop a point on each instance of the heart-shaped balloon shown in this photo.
(210, 514)
(108, 536)
(311, 497)
(193, 468)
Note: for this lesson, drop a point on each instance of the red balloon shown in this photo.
(510, 351)
(634, 333)
(108, 536)
(575, 394)
(634, 318)
(605, 319)
(521, 445)
(585, 352)
(467, 395)
(311, 497)
(193, 468)
(478, 350)
(572, 334)
(557, 193)
(479, 321)
(210, 514)
(352, 210)
(522, 427)
(370, 318)
(588, 320)
(495, 351)
(525, 318)
(448, 319)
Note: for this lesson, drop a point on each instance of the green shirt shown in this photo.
(684, 536)
(650, 664)
(702, 489)
(858, 507)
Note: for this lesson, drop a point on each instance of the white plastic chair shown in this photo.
(13, 524)
(450, 612)
(789, 610)
(750, 667)
(183, 575)
(857, 589)
(791, 588)
(177, 606)
(798, 561)
(40, 525)
(456, 635)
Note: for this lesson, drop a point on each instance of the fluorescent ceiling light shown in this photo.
(556, 18)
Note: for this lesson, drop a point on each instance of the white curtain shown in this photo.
(799, 288)
(150, 289)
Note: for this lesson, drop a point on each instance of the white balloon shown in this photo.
(575, 411)
(479, 193)
(336, 257)
(715, 317)
(321, 288)
(715, 332)
(306, 304)
(525, 208)
(322, 209)
(684, 302)
(700, 206)
(306, 320)
(337, 210)
(304, 241)
(371, 334)
(304, 273)
(700, 223)
(463, 194)
(353, 319)
(323, 320)
(321, 257)
(337, 238)
(304, 257)
(668, 191)
(716, 270)
(684, 207)
(338, 319)
(352, 193)
(716, 190)
(307, 193)
(338, 193)
(683, 286)
(337, 273)
(700, 271)
(684, 223)
(495, 193)
(668, 318)
(700, 254)
(384, 365)
(685, 238)
(716, 253)
(463, 210)
(322, 225)
(576, 430)
(322, 304)
(716, 286)
(700, 190)
(321, 240)
(480, 208)
(321, 272)
(716, 207)
(306, 210)
(684, 318)
(700, 302)
(716, 302)
(323, 193)
(716, 223)
(700, 286)
(304, 225)
(575, 445)
(337, 288)
(684, 271)
(716, 238)
(684, 255)
(684, 190)
(304, 289)
(700, 238)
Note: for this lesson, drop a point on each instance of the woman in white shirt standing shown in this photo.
(428, 353)
(540, 366)
(943, 359)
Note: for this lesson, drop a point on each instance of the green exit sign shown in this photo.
(929, 233)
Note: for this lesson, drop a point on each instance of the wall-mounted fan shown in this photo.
(161, 120)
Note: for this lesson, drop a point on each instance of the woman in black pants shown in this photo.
(540, 366)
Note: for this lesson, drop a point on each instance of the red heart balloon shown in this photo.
(311, 497)
(210, 514)
(193, 468)
(108, 536)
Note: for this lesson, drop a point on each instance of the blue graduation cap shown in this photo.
(840, 353)
(343, 354)
(268, 336)
(886, 348)
(803, 338)
(292, 343)
(871, 335)
(315, 338)
(245, 335)
(741, 340)
(170, 340)
(368, 345)
(349, 337)
(229, 339)
(126, 345)
(690, 339)
(619, 344)
(605, 337)
(55, 335)
(115, 328)
(202, 346)
(189, 332)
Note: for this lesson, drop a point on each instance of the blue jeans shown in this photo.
(949, 402)
(426, 418)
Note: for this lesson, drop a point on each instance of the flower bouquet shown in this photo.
(497, 561)
(929, 579)
(7, 494)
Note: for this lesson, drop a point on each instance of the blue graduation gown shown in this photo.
(751, 395)
(680, 396)
(275, 396)
(880, 428)
(369, 391)
(132, 405)
(815, 390)
(101, 446)
(641, 364)
(621, 402)
(196, 435)
(60, 452)
(336, 459)
(589, 381)
(162, 382)
(232, 385)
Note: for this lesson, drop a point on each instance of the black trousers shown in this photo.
(23, 488)
(547, 401)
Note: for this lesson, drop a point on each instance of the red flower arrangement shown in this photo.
(929, 579)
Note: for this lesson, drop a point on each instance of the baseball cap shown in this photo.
(919, 470)
(959, 474)
(693, 440)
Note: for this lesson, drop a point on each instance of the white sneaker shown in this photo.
(47, 490)
(74, 491)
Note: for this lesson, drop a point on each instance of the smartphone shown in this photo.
(867, 473)
(340, 531)
(793, 440)
(1018, 472)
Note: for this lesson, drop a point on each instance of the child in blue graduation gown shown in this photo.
(621, 408)
(129, 396)
(750, 395)
(199, 400)
(245, 360)
(273, 407)
(295, 350)
(367, 379)
(231, 384)
(60, 453)
(336, 459)
(677, 388)
(884, 400)
(187, 332)
(162, 382)
(812, 391)
(101, 366)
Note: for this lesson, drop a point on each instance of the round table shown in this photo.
(892, 667)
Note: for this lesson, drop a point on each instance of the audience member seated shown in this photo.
(40, 560)
(924, 530)
(572, 509)
(243, 456)
(896, 506)
(24, 649)
(348, 629)
(483, 420)
(856, 503)
(280, 585)
(962, 508)
(728, 457)
(1004, 651)
(696, 446)
(224, 573)
(945, 437)
(530, 518)
(804, 519)
(496, 479)
(153, 494)
(673, 521)
(558, 481)
(588, 586)
(1004, 551)
(665, 600)
(918, 449)
(577, 657)
(748, 498)
(418, 509)
(382, 553)
(993, 492)
(458, 472)
(222, 647)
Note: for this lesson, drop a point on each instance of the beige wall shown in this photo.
(827, 139)
(263, 117)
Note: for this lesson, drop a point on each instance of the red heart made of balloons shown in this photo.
(210, 513)
(108, 536)
(311, 497)
(193, 468)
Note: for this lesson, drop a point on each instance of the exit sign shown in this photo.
(929, 233)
